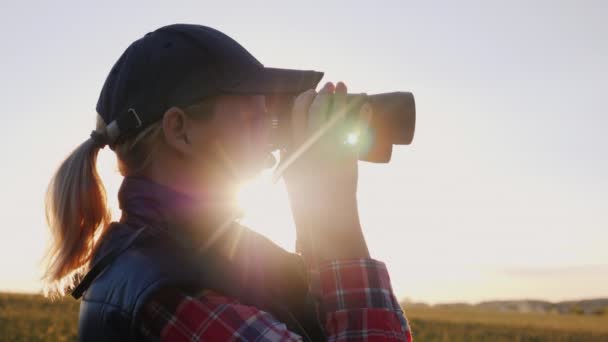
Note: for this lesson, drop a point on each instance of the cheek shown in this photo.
(234, 137)
(202, 137)
(238, 140)
(240, 133)
(244, 149)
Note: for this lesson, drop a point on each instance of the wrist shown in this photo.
(329, 230)
(317, 249)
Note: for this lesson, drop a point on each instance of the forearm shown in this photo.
(354, 293)
(328, 227)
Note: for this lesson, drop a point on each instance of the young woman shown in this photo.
(184, 111)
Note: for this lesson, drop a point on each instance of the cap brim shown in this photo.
(274, 81)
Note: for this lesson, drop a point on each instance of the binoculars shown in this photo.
(393, 120)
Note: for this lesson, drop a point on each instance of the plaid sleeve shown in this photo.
(357, 303)
(173, 316)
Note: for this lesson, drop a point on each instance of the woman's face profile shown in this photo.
(238, 133)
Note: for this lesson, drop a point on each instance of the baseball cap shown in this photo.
(179, 65)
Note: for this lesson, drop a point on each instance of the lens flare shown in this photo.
(265, 208)
(352, 138)
(249, 193)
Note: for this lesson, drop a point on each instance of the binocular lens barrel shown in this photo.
(393, 122)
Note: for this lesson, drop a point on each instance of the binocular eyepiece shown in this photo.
(393, 120)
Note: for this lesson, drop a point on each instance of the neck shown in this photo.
(197, 189)
(144, 201)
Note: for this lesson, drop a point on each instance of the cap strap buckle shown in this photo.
(132, 111)
(126, 124)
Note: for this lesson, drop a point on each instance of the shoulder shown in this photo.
(139, 270)
(130, 274)
(174, 316)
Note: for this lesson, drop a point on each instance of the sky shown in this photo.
(502, 195)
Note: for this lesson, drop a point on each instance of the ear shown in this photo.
(175, 130)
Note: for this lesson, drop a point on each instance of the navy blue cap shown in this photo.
(179, 65)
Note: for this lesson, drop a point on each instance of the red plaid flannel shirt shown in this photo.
(356, 303)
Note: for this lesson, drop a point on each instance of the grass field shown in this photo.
(432, 324)
(33, 318)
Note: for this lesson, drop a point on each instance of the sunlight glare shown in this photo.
(352, 138)
(251, 192)
(266, 209)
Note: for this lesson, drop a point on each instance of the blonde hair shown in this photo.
(76, 208)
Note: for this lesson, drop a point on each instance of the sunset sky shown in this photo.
(503, 194)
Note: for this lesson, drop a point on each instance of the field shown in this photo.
(33, 318)
(432, 324)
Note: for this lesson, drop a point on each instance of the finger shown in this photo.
(299, 117)
(339, 103)
(365, 118)
(317, 113)
(338, 115)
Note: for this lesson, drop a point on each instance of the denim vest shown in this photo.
(132, 263)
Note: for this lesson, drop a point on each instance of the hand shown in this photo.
(321, 177)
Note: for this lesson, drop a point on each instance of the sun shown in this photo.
(266, 207)
(251, 192)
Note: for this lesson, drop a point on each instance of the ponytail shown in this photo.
(76, 209)
(76, 213)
